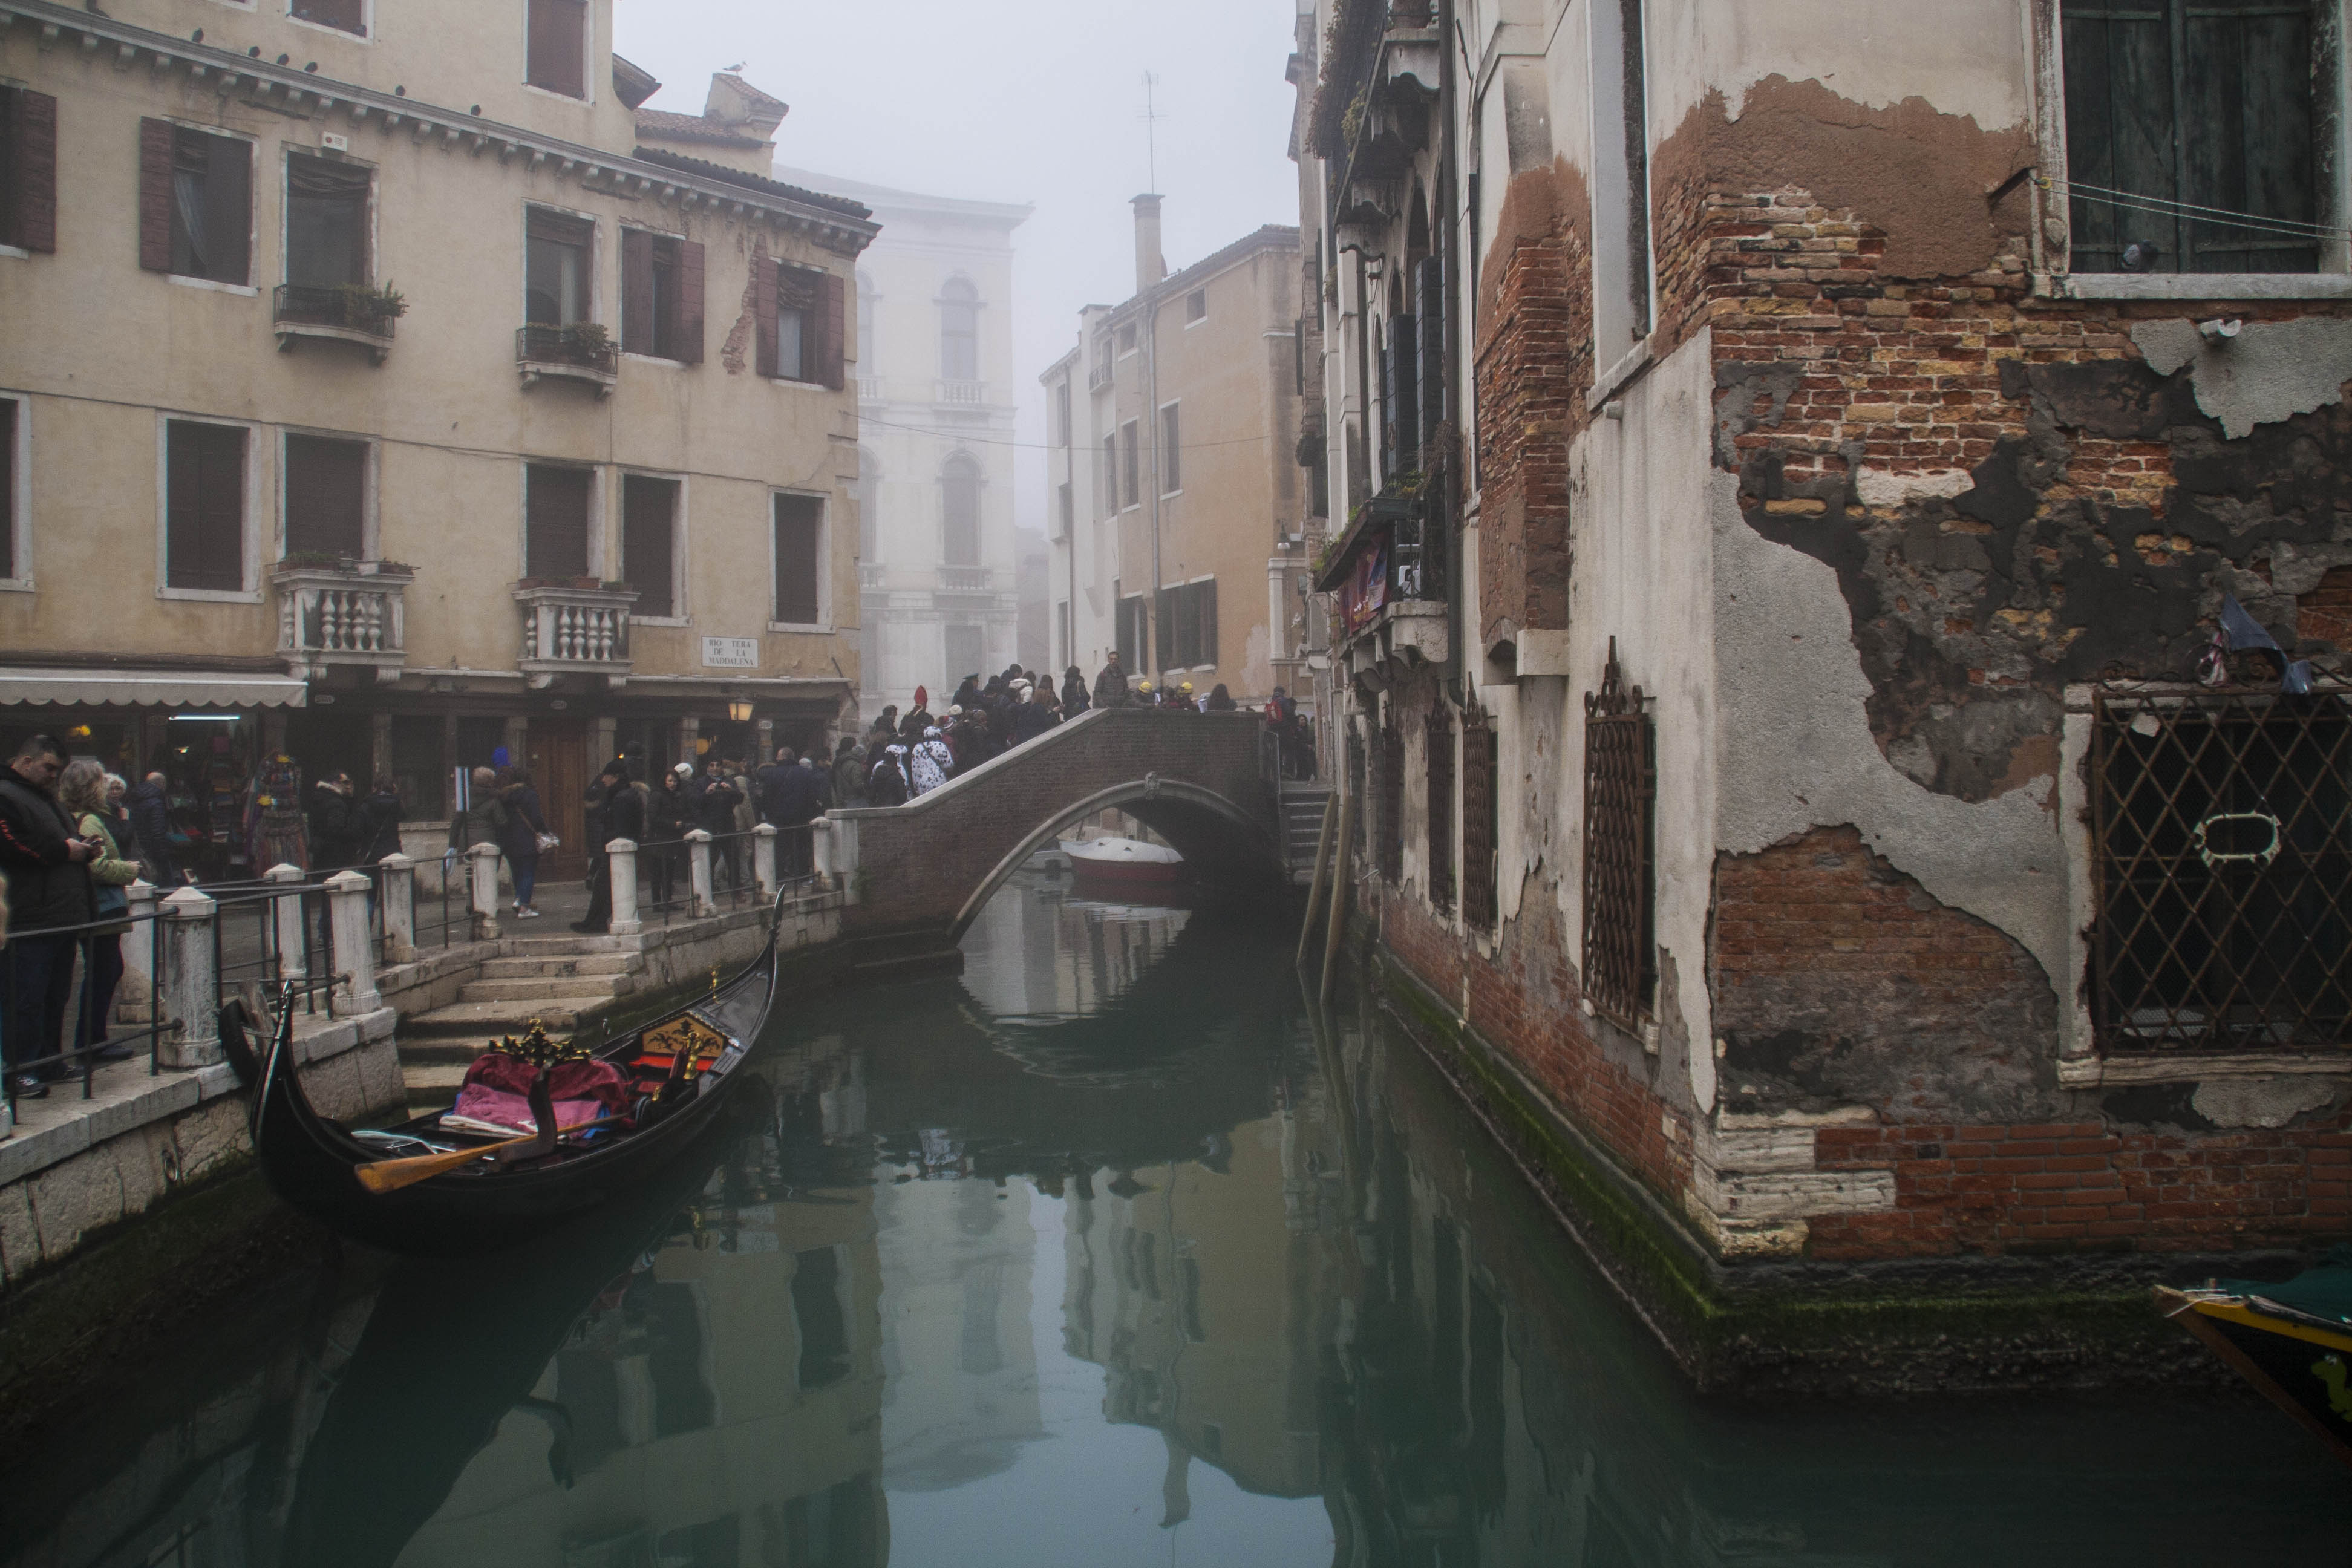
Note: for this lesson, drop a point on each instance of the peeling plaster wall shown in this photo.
(1797, 751)
(2268, 372)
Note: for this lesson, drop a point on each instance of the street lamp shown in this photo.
(740, 709)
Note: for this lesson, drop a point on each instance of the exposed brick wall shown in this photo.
(2078, 1186)
(1838, 980)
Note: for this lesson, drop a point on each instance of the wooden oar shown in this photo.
(391, 1175)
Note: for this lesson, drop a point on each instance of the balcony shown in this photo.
(341, 613)
(872, 576)
(873, 389)
(583, 351)
(574, 626)
(965, 580)
(1388, 572)
(963, 394)
(1100, 375)
(352, 313)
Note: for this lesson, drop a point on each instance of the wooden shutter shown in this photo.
(764, 283)
(155, 138)
(1478, 824)
(833, 332)
(351, 16)
(326, 496)
(559, 47)
(1399, 415)
(649, 543)
(1208, 593)
(32, 172)
(556, 522)
(689, 301)
(229, 210)
(1430, 284)
(204, 511)
(797, 564)
(636, 292)
(1437, 744)
(8, 417)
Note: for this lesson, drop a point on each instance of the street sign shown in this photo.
(730, 652)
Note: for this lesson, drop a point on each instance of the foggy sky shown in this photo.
(1039, 102)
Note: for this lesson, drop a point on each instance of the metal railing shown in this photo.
(568, 347)
(360, 310)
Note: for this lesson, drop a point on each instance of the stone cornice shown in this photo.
(288, 88)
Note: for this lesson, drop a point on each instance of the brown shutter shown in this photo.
(156, 195)
(796, 558)
(636, 292)
(689, 301)
(347, 15)
(648, 542)
(205, 521)
(764, 284)
(7, 487)
(561, 228)
(33, 173)
(556, 522)
(832, 308)
(559, 47)
(326, 496)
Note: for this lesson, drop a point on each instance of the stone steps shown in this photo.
(479, 1021)
(551, 988)
(553, 967)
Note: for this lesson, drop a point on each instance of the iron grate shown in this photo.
(2219, 828)
(1620, 799)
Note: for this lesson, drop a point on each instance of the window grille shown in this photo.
(1392, 824)
(2218, 824)
(1619, 855)
(1480, 821)
(1439, 740)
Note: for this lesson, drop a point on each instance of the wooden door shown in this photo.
(558, 761)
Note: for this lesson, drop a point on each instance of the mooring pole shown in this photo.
(1322, 862)
(1341, 875)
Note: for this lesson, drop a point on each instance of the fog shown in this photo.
(1040, 102)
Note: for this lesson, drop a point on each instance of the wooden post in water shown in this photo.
(1342, 873)
(1322, 863)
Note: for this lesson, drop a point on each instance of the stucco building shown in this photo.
(938, 565)
(1174, 502)
(375, 392)
(1794, 464)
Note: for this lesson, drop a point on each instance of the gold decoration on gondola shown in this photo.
(539, 1051)
(701, 1043)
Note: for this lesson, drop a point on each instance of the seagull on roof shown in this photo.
(738, 65)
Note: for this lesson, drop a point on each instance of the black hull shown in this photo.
(2304, 1369)
(311, 1162)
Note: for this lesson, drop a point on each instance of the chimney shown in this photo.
(1151, 266)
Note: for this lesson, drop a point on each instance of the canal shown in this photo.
(1108, 1252)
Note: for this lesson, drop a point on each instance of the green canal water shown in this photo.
(1102, 1254)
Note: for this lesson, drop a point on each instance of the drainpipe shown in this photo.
(1456, 671)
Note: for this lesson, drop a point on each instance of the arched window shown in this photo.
(866, 357)
(869, 504)
(960, 511)
(959, 331)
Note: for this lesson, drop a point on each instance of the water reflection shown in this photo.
(1109, 1253)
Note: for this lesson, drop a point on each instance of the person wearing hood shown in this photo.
(849, 776)
(520, 823)
(919, 712)
(890, 780)
(1074, 693)
(966, 694)
(931, 761)
(615, 811)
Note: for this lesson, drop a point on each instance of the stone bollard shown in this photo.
(285, 920)
(399, 907)
(484, 884)
(763, 860)
(621, 861)
(821, 850)
(841, 844)
(132, 997)
(354, 989)
(190, 985)
(698, 844)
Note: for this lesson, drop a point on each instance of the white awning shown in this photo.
(161, 688)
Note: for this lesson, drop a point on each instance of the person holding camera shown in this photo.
(47, 862)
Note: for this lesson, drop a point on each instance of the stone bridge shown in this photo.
(1201, 781)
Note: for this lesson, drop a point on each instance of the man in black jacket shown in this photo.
(49, 888)
(615, 811)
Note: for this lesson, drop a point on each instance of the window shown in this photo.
(1172, 469)
(1127, 340)
(1390, 827)
(1061, 655)
(1621, 975)
(1131, 490)
(800, 328)
(1481, 822)
(1065, 509)
(195, 203)
(649, 543)
(28, 170)
(557, 47)
(2218, 824)
(965, 653)
(661, 296)
(1061, 413)
(325, 496)
(555, 265)
(866, 360)
(1196, 305)
(960, 512)
(1134, 621)
(1621, 187)
(204, 546)
(869, 505)
(1400, 406)
(2191, 135)
(819, 1322)
(556, 521)
(12, 426)
(1438, 827)
(326, 221)
(800, 560)
(1188, 626)
(1106, 482)
(959, 331)
(344, 15)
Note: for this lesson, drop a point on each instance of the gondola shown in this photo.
(2291, 1341)
(678, 1070)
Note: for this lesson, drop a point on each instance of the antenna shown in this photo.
(1151, 118)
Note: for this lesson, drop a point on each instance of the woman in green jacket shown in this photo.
(82, 791)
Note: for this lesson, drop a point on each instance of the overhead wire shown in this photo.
(958, 437)
(2166, 207)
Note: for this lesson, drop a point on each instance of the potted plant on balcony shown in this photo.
(368, 308)
(313, 560)
(387, 569)
(585, 342)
